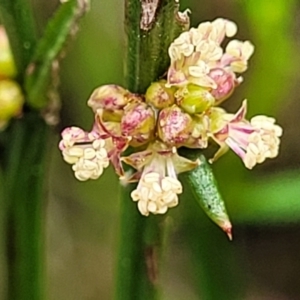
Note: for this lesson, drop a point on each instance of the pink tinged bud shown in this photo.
(174, 126)
(138, 122)
(226, 83)
(116, 142)
(110, 98)
(176, 77)
(11, 101)
(194, 99)
(7, 64)
(160, 96)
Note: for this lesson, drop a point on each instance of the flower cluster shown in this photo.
(11, 97)
(178, 111)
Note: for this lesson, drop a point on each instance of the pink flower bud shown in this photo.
(174, 126)
(111, 98)
(226, 83)
(138, 122)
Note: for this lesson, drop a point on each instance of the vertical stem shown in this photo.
(25, 216)
(139, 240)
(146, 59)
(216, 262)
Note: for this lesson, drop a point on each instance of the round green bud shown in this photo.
(194, 99)
(11, 100)
(159, 96)
(7, 64)
(217, 117)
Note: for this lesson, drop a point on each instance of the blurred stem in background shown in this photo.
(25, 214)
(25, 141)
(23, 171)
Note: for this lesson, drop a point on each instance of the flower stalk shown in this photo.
(141, 238)
(25, 208)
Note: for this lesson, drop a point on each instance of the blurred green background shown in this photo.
(263, 261)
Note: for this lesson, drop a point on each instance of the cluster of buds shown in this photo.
(11, 97)
(178, 111)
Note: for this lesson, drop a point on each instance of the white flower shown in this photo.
(196, 52)
(263, 142)
(85, 151)
(156, 193)
(158, 186)
(253, 141)
(238, 54)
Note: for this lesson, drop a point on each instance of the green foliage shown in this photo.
(24, 156)
(43, 69)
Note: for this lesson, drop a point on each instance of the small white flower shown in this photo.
(158, 186)
(92, 162)
(156, 193)
(196, 52)
(85, 151)
(263, 142)
(238, 54)
(253, 141)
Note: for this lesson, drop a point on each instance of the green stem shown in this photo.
(140, 240)
(25, 216)
(147, 49)
(146, 60)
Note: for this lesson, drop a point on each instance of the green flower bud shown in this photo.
(217, 119)
(202, 182)
(194, 99)
(11, 101)
(7, 64)
(159, 96)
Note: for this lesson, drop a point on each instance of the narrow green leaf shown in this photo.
(17, 17)
(204, 187)
(43, 65)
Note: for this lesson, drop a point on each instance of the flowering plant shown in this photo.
(181, 110)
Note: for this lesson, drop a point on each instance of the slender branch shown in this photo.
(25, 219)
(149, 32)
(140, 239)
(47, 53)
